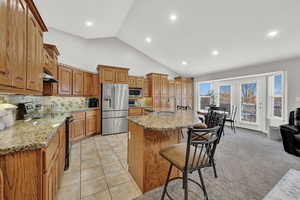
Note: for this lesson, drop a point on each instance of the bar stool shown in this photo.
(193, 156)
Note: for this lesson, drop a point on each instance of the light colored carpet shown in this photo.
(248, 165)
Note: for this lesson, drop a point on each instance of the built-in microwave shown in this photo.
(135, 92)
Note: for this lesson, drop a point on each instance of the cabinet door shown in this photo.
(18, 37)
(164, 87)
(171, 89)
(156, 87)
(88, 84)
(91, 122)
(121, 76)
(34, 55)
(48, 187)
(78, 126)
(96, 86)
(178, 93)
(156, 102)
(65, 80)
(78, 83)
(131, 82)
(146, 88)
(139, 82)
(108, 75)
(5, 72)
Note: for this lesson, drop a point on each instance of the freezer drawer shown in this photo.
(114, 125)
(113, 114)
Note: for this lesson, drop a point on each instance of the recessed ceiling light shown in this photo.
(173, 17)
(148, 40)
(184, 62)
(89, 23)
(272, 34)
(215, 53)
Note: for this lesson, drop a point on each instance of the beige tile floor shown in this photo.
(98, 171)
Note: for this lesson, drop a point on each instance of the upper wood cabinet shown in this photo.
(78, 82)
(65, 75)
(5, 68)
(34, 54)
(184, 91)
(110, 74)
(158, 89)
(146, 88)
(21, 47)
(88, 84)
(51, 54)
(171, 88)
(96, 86)
(135, 82)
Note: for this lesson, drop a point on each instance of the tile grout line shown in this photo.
(99, 156)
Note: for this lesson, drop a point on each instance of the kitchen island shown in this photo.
(148, 134)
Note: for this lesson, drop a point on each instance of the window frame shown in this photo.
(273, 95)
(219, 94)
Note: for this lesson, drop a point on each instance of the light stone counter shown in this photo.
(288, 188)
(30, 135)
(165, 121)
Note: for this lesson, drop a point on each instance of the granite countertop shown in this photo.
(166, 120)
(288, 188)
(34, 134)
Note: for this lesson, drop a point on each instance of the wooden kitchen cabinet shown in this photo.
(40, 171)
(135, 111)
(51, 54)
(88, 84)
(92, 119)
(109, 74)
(184, 91)
(65, 84)
(78, 82)
(78, 126)
(34, 55)
(21, 47)
(146, 88)
(96, 86)
(135, 82)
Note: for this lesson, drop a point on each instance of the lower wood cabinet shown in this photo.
(36, 174)
(85, 124)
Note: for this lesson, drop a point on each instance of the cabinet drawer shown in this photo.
(51, 150)
(79, 115)
(135, 111)
(91, 113)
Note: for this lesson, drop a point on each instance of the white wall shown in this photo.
(87, 54)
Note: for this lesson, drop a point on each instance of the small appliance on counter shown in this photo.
(7, 115)
(93, 102)
(135, 92)
(28, 111)
(291, 133)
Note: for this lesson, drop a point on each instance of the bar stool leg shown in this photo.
(166, 184)
(185, 185)
(214, 167)
(202, 183)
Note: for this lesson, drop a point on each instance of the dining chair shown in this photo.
(193, 156)
(231, 117)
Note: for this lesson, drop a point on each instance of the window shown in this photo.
(277, 96)
(225, 97)
(249, 102)
(204, 92)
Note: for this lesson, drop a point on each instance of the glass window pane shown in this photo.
(204, 102)
(278, 85)
(204, 89)
(248, 102)
(225, 97)
(277, 106)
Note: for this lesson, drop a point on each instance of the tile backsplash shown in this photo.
(49, 104)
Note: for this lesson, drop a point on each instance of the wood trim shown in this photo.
(52, 47)
(12, 90)
(36, 14)
(111, 67)
(1, 186)
(76, 68)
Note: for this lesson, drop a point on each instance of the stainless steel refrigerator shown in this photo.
(114, 108)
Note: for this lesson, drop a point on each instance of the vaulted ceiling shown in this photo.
(236, 30)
